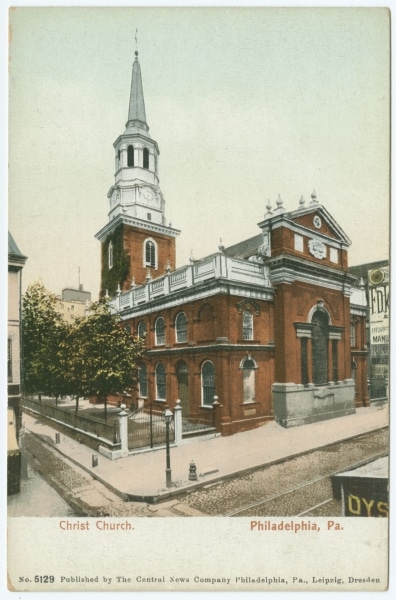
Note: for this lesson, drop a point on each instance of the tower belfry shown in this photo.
(136, 203)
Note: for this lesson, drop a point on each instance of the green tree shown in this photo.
(43, 333)
(100, 357)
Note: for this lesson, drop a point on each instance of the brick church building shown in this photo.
(270, 328)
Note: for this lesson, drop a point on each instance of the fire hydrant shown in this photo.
(192, 475)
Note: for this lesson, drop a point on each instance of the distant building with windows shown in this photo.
(73, 303)
(16, 262)
(257, 331)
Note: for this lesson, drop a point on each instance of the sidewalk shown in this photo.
(141, 477)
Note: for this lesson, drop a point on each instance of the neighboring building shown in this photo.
(263, 325)
(375, 278)
(16, 261)
(76, 295)
(73, 303)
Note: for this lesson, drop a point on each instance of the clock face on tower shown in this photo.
(148, 194)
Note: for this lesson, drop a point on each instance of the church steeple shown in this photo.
(136, 191)
(136, 203)
(137, 112)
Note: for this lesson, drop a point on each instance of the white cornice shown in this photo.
(181, 297)
(289, 275)
(124, 137)
(134, 222)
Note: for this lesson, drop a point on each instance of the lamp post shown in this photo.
(168, 416)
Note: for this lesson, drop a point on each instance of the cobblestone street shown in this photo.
(292, 487)
(298, 486)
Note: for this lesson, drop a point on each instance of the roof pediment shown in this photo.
(319, 220)
(314, 219)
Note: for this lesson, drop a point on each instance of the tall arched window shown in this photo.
(142, 329)
(143, 381)
(145, 158)
(150, 254)
(249, 367)
(247, 325)
(320, 336)
(181, 327)
(131, 156)
(208, 383)
(110, 255)
(160, 381)
(160, 332)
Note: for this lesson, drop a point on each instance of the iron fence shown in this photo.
(147, 428)
(109, 430)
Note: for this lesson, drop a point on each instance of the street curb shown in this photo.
(161, 496)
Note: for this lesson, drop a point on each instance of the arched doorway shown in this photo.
(320, 337)
(182, 387)
(249, 367)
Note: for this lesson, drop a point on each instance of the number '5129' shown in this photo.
(44, 579)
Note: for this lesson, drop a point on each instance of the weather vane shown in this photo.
(136, 38)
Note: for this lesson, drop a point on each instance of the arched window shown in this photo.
(142, 329)
(249, 367)
(145, 158)
(143, 381)
(150, 254)
(160, 332)
(131, 156)
(247, 325)
(208, 383)
(181, 327)
(160, 380)
(110, 255)
(320, 336)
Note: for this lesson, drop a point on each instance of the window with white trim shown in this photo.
(247, 325)
(150, 254)
(160, 381)
(110, 255)
(208, 383)
(160, 332)
(181, 327)
(249, 379)
(143, 381)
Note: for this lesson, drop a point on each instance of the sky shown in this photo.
(244, 103)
